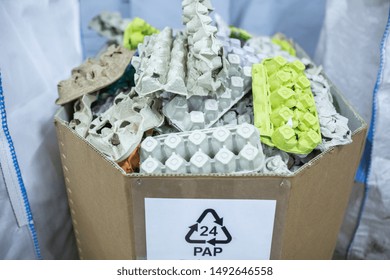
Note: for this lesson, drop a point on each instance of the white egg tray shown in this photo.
(265, 48)
(246, 53)
(228, 149)
(191, 63)
(203, 112)
(119, 130)
(197, 112)
(240, 113)
(161, 64)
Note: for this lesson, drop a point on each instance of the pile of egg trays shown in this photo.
(205, 63)
(334, 126)
(228, 149)
(161, 65)
(241, 113)
(265, 48)
(203, 112)
(198, 112)
(247, 54)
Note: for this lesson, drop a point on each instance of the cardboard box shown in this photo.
(108, 206)
(125, 216)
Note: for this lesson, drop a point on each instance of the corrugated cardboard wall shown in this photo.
(97, 197)
(318, 200)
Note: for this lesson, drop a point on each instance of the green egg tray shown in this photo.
(284, 108)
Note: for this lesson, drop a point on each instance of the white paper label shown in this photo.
(209, 229)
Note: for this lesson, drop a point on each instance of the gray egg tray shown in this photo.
(240, 113)
(228, 149)
(198, 112)
(161, 64)
(202, 112)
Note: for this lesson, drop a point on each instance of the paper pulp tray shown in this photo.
(218, 216)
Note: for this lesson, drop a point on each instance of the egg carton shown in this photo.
(284, 107)
(83, 114)
(95, 74)
(228, 149)
(110, 25)
(240, 58)
(119, 130)
(277, 162)
(276, 165)
(248, 54)
(240, 113)
(198, 113)
(189, 64)
(163, 68)
(103, 103)
(334, 127)
(206, 64)
(135, 33)
(161, 64)
(265, 48)
(262, 46)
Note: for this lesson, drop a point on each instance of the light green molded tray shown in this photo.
(284, 106)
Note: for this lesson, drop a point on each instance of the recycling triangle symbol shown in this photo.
(216, 234)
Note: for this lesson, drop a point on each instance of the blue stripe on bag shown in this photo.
(365, 165)
(18, 174)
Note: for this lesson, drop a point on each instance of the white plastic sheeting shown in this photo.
(372, 239)
(39, 45)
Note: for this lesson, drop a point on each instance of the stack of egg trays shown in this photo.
(226, 149)
(199, 112)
